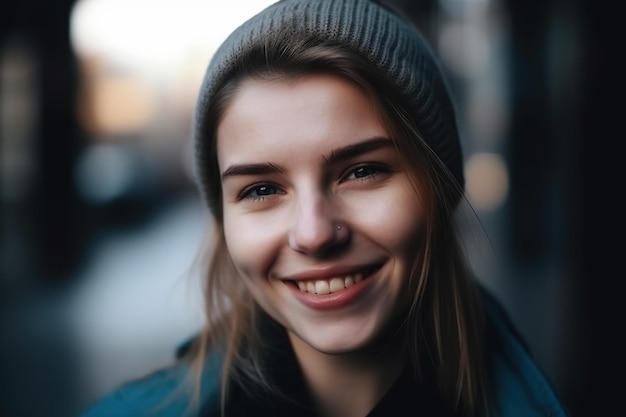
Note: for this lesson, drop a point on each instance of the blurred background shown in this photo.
(101, 221)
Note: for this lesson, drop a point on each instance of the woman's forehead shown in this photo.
(307, 112)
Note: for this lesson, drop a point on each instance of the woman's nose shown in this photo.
(316, 229)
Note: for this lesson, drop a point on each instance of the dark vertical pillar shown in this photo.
(543, 148)
(593, 209)
(51, 213)
(601, 246)
(58, 209)
(37, 353)
(531, 150)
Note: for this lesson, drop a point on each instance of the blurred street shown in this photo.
(133, 303)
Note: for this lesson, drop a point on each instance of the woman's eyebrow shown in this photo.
(337, 155)
(356, 149)
(252, 169)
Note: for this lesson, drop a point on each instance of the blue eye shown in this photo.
(259, 192)
(264, 190)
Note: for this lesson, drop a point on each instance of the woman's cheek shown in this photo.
(251, 240)
(393, 216)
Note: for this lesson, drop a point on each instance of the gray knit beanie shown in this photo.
(389, 42)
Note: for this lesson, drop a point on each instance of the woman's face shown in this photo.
(320, 218)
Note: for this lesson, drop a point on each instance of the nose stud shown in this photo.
(338, 227)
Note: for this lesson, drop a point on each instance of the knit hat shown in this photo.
(390, 43)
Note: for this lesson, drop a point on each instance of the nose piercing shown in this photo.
(338, 227)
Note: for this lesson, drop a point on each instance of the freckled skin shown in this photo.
(283, 223)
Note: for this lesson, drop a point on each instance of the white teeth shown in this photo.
(322, 286)
(337, 284)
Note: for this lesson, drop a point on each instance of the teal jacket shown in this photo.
(521, 388)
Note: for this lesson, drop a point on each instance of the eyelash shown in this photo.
(371, 172)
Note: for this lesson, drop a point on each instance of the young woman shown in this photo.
(328, 154)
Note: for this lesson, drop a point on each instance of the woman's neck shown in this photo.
(351, 384)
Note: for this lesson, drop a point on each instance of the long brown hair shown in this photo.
(444, 326)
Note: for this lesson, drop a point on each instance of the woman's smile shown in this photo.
(332, 279)
(335, 292)
(329, 286)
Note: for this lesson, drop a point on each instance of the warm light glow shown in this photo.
(117, 104)
(143, 59)
(487, 181)
(155, 36)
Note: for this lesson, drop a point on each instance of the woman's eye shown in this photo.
(364, 172)
(258, 192)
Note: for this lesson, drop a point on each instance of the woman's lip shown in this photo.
(337, 299)
(333, 272)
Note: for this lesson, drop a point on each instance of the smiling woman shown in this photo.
(336, 283)
(320, 216)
